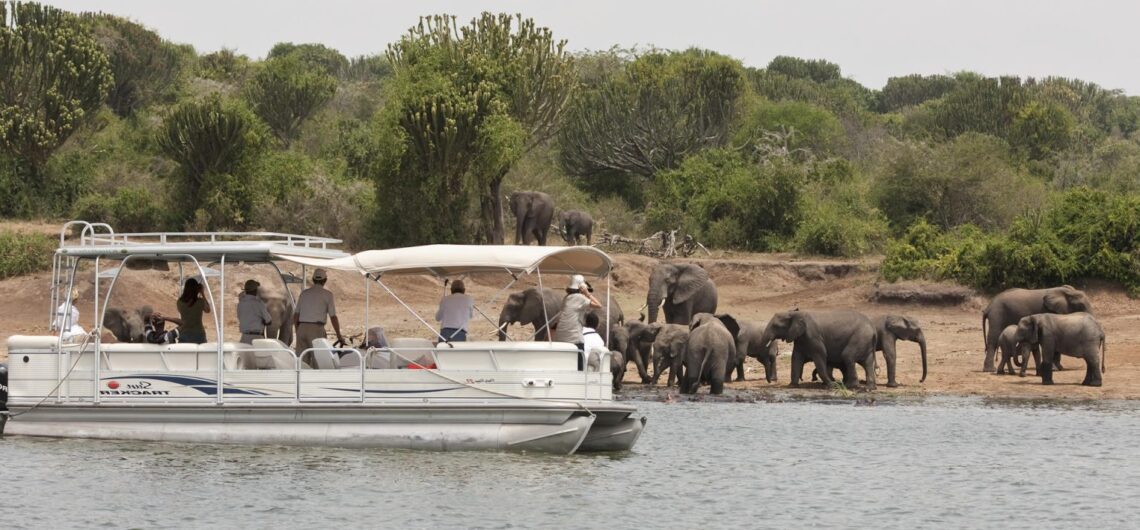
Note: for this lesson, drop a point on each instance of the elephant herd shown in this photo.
(696, 345)
(534, 213)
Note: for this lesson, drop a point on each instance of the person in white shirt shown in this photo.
(252, 314)
(67, 318)
(313, 306)
(577, 303)
(593, 344)
(455, 310)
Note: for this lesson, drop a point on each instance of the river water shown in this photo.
(950, 463)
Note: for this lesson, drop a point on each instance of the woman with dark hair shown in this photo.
(191, 305)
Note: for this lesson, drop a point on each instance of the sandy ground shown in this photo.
(750, 287)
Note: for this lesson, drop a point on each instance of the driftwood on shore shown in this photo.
(661, 244)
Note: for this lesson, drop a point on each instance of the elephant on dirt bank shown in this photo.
(710, 354)
(1076, 334)
(829, 339)
(527, 307)
(574, 224)
(1015, 353)
(888, 330)
(280, 309)
(639, 345)
(748, 345)
(687, 289)
(670, 342)
(1012, 305)
(533, 211)
(127, 325)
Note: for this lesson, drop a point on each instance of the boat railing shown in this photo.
(101, 234)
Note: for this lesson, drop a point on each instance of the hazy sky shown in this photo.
(1095, 40)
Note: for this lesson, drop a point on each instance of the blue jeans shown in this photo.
(453, 335)
(192, 337)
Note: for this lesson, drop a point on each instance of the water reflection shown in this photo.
(944, 462)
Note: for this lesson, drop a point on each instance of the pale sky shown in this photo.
(1095, 40)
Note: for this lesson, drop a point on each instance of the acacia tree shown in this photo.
(286, 91)
(517, 63)
(54, 77)
(663, 107)
(142, 64)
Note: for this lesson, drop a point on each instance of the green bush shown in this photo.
(128, 210)
(22, 253)
(832, 229)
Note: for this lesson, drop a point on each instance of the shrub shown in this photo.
(24, 253)
(834, 229)
(128, 210)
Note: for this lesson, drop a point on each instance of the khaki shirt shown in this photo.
(571, 318)
(314, 304)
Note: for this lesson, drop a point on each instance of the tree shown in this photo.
(142, 64)
(910, 90)
(512, 61)
(661, 108)
(54, 77)
(817, 70)
(807, 126)
(214, 141)
(320, 56)
(285, 91)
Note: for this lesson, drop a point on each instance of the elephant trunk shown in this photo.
(921, 340)
(653, 299)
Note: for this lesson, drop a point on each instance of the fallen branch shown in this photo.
(662, 244)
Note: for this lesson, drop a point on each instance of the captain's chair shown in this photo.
(323, 355)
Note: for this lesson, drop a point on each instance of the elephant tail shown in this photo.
(1103, 358)
(985, 317)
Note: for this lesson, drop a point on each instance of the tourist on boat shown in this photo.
(455, 310)
(191, 306)
(592, 343)
(67, 318)
(314, 307)
(154, 331)
(577, 303)
(252, 314)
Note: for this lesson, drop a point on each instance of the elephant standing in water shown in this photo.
(670, 342)
(1012, 305)
(1076, 334)
(533, 211)
(748, 345)
(687, 289)
(888, 330)
(710, 353)
(639, 345)
(829, 339)
(574, 224)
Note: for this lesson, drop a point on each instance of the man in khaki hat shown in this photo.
(252, 314)
(313, 306)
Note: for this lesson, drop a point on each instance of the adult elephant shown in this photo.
(748, 344)
(710, 353)
(280, 313)
(127, 325)
(670, 342)
(533, 212)
(840, 339)
(891, 328)
(1012, 305)
(526, 307)
(639, 346)
(1076, 334)
(687, 289)
(574, 224)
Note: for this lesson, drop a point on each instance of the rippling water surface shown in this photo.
(946, 464)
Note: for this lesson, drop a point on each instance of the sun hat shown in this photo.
(320, 275)
(577, 281)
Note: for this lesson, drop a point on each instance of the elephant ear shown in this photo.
(1056, 302)
(894, 323)
(689, 280)
(651, 332)
(730, 323)
(797, 326)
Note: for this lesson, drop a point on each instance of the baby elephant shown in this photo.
(711, 352)
(1076, 334)
(574, 224)
(617, 368)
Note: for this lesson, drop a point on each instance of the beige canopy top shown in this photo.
(458, 260)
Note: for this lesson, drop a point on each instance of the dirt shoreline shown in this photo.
(751, 286)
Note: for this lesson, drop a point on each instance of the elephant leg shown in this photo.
(658, 365)
(739, 370)
(991, 347)
(1057, 363)
(1045, 369)
(889, 358)
(1092, 369)
(641, 371)
(716, 386)
(869, 370)
(797, 368)
(770, 373)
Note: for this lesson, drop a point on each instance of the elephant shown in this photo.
(748, 345)
(527, 307)
(127, 325)
(1076, 334)
(617, 368)
(573, 224)
(711, 352)
(687, 288)
(839, 339)
(888, 330)
(670, 342)
(1012, 305)
(639, 346)
(1015, 353)
(533, 212)
(281, 315)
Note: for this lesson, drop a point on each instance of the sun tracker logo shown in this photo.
(112, 385)
(141, 388)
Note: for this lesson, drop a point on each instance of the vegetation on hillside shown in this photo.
(989, 181)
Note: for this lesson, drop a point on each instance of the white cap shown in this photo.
(320, 275)
(577, 281)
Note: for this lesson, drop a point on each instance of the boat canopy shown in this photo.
(458, 260)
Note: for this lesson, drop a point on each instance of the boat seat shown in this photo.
(406, 350)
(271, 354)
(323, 356)
(378, 359)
